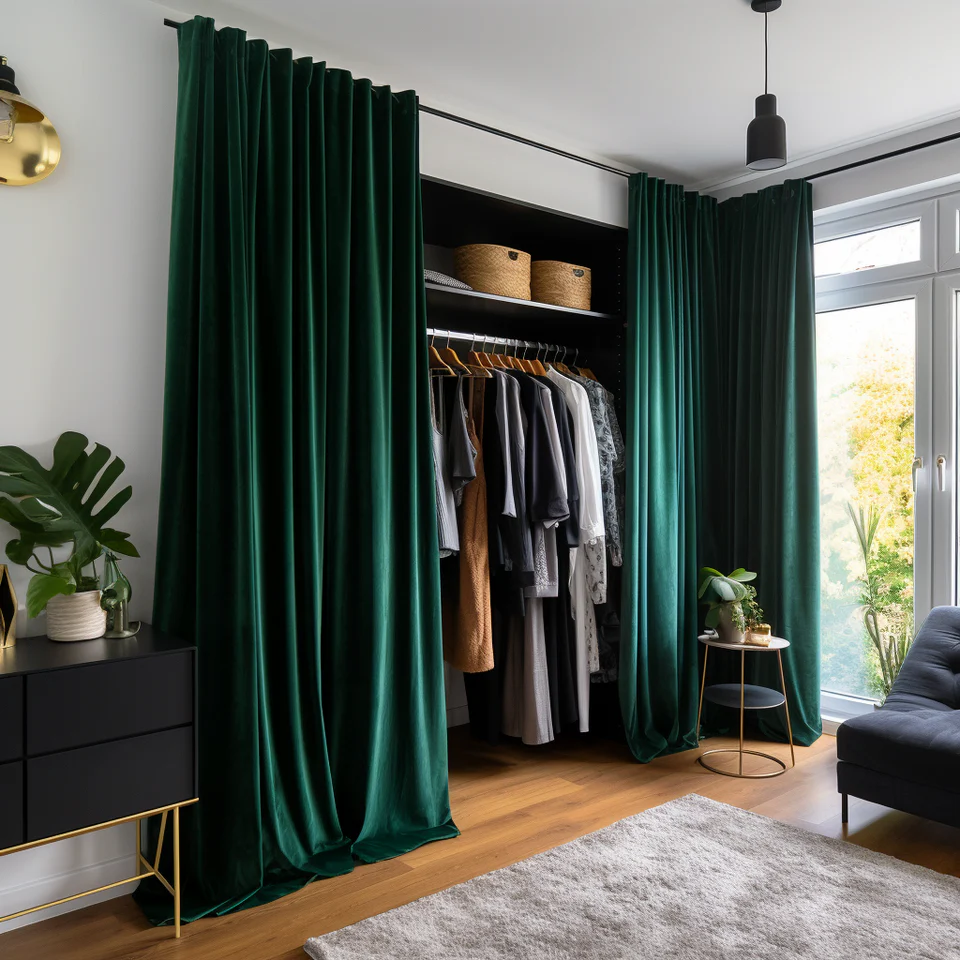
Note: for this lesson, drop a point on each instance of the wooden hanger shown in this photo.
(437, 367)
(538, 368)
(522, 359)
(559, 365)
(477, 367)
(481, 359)
(584, 372)
(449, 356)
(500, 359)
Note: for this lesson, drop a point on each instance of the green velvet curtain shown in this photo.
(297, 541)
(672, 295)
(761, 498)
(722, 445)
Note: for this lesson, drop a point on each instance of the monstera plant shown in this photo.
(62, 506)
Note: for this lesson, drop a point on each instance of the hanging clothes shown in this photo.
(558, 619)
(604, 416)
(545, 487)
(532, 462)
(587, 560)
(449, 537)
(468, 628)
(461, 451)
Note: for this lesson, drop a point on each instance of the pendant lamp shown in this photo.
(767, 133)
(29, 145)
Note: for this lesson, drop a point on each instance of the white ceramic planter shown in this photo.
(76, 617)
(726, 630)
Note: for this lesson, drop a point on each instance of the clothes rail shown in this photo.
(482, 338)
(506, 135)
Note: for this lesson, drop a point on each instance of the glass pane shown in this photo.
(865, 369)
(867, 251)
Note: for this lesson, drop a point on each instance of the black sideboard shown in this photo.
(94, 732)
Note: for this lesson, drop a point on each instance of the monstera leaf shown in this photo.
(63, 504)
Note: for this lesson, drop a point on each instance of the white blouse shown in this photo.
(587, 454)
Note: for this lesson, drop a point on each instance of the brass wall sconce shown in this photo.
(29, 145)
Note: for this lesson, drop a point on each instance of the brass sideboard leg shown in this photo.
(138, 847)
(176, 871)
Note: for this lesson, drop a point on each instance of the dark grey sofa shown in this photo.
(906, 755)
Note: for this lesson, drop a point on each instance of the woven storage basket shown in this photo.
(492, 269)
(562, 284)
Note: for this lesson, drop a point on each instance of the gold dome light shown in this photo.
(29, 145)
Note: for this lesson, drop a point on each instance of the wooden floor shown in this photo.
(509, 803)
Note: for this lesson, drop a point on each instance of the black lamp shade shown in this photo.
(766, 136)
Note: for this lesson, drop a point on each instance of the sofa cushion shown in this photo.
(918, 744)
(931, 670)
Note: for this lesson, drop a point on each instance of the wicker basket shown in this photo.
(562, 284)
(492, 269)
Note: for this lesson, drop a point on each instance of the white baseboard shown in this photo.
(64, 884)
(830, 725)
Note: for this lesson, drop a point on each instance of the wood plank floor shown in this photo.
(509, 803)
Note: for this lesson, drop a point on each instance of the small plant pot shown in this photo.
(726, 629)
(76, 617)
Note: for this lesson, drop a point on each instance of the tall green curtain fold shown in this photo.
(722, 468)
(297, 518)
(671, 295)
(762, 498)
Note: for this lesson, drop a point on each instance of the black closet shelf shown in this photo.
(472, 302)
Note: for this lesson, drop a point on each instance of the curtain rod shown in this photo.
(885, 156)
(482, 338)
(516, 138)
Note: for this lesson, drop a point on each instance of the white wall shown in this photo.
(83, 287)
(83, 304)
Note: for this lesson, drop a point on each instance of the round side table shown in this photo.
(746, 696)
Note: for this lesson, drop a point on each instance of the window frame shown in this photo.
(846, 225)
(948, 215)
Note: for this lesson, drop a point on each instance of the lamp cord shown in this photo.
(766, 54)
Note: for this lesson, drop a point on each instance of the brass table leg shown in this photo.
(743, 667)
(786, 707)
(176, 871)
(703, 684)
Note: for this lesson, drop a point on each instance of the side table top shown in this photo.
(712, 640)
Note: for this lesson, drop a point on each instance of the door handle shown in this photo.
(941, 464)
(917, 465)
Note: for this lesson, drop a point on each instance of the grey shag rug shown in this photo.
(693, 880)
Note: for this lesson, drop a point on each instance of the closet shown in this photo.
(469, 320)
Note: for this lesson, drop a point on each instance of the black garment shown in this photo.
(546, 499)
(515, 545)
(485, 690)
(559, 628)
(461, 455)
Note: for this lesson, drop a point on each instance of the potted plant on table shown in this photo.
(733, 607)
(60, 507)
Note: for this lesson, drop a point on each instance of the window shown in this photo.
(868, 251)
(887, 357)
(890, 244)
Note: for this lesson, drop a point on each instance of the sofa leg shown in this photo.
(844, 809)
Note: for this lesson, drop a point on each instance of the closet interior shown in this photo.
(517, 698)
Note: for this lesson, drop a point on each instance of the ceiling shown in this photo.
(665, 86)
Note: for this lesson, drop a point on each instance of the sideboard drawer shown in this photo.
(79, 788)
(11, 718)
(11, 804)
(107, 701)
